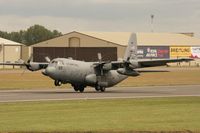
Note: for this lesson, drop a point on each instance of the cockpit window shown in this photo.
(59, 62)
(54, 62)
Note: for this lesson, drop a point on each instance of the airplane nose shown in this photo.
(48, 71)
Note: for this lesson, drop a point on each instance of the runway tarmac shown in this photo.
(90, 93)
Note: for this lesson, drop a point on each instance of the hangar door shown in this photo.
(78, 53)
(10, 53)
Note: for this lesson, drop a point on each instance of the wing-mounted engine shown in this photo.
(101, 67)
(128, 72)
(107, 67)
(133, 64)
(128, 68)
(91, 79)
(34, 66)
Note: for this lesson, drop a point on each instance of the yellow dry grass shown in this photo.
(14, 79)
(175, 77)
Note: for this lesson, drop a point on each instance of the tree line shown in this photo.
(32, 35)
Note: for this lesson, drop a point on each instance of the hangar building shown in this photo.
(11, 51)
(112, 45)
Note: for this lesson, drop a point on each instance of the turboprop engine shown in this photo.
(33, 66)
(133, 64)
(107, 66)
(128, 72)
(91, 78)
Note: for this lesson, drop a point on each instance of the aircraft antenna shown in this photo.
(152, 21)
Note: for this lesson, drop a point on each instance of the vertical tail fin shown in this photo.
(131, 50)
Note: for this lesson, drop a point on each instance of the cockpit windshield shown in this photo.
(57, 62)
(54, 62)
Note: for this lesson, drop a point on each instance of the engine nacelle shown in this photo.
(91, 79)
(128, 72)
(133, 64)
(107, 66)
(33, 66)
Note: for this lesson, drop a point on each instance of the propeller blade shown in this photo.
(99, 57)
(47, 59)
(30, 59)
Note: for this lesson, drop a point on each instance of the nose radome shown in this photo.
(49, 70)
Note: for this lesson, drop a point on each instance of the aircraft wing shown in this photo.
(160, 62)
(33, 66)
(12, 64)
(141, 63)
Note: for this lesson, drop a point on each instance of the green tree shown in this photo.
(56, 33)
(4, 34)
(32, 35)
(36, 34)
(16, 36)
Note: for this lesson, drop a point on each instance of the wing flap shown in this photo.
(160, 62)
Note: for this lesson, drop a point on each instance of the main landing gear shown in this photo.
(79, 88)
(100, 88)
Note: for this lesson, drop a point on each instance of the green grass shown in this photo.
(150, 114)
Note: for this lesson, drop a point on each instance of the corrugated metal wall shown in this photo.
(79, 53)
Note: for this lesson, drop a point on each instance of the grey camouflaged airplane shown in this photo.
(99, 75)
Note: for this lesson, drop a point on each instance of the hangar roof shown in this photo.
(144, 39)
(167, 39)
(161, 39)
(8, 42)
(120, 38)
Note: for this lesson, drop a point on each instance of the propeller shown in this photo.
(99, 57)
(47, 59)
(28, 62)
(34, 66)
(100, 62)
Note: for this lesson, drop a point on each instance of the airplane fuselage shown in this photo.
(81, 73)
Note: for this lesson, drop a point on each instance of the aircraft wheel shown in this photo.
(97, 88)
(102, 89)
(57, 83)
(76, 89)
(81, 89)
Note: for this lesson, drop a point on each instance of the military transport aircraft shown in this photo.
(100, 74)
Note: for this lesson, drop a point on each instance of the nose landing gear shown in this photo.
(57, 83)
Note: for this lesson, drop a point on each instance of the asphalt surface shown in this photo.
(90, 93)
